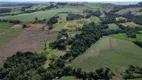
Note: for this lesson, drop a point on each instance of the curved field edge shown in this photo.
(102, 54)
(9, 35)
(4, 26)
(41, 14)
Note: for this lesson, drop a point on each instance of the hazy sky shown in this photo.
(74, 0)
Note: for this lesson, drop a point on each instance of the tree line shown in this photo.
(139, 43)
(10, 21)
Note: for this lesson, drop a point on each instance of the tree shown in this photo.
(36, 19)
(25, 26)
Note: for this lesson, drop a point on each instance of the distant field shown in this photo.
(113, 26)
(124, 37)
(124, 11)
(109, 52)
(41, 14)
(4, 26)
(95, 19)
(95, 5)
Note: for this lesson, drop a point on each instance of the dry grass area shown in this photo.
(35, 26)
(17, 26)
(124, 11)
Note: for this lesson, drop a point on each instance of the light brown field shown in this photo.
(124, 11)
(30, 39)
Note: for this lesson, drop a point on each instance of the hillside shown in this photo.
(70, 41)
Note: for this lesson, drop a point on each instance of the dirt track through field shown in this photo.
(113, 46)
(98, 57)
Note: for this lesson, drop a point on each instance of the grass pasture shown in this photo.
(41, 14)
(9, 35)
(71, 25)
(109, 52)
(4, 26)
(95, 19)
(121, 19)
(113, 26)
(123, 36)
(130, 24)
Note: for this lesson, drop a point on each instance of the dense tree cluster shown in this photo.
(72, 16)
(53, 20)
(138, 43)
(23, 66)
(62, 41)
(131, 34)
(101, 73)
(133, 72)
(136, 19)
(90, 34)
(110, 18)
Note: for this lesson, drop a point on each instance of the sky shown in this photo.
(73, 0)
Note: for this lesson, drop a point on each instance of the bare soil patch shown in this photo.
(108, 9)
(124, 11)
(28, 40)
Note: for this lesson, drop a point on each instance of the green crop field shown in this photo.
(4, 26)
(124, 37)
(9, 35)
(113, 26)
(109, 52)
(41, 14)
